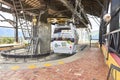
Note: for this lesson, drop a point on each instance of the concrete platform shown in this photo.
(86, 65)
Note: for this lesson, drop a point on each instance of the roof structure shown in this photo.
(57, 9)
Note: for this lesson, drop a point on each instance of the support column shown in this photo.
(103, 28)
(16, 30)
(102, 31)
(35, 36)
(34, 27)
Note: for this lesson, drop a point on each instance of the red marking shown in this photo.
(116, 58)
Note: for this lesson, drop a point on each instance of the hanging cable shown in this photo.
(84, 14)
(76, 4)
(97, 19)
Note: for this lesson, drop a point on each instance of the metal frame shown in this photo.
(72, 9)
(111, 70)
(21, 17)
(113, 37)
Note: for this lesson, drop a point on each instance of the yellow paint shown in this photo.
(60, 62)
(34, 20)
(111, 61)
(98, 45)
(15, 67)
(32, 66)
(104, 51)
(47, 64)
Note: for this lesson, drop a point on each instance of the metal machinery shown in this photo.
(64, 38)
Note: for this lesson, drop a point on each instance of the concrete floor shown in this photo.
(86, 66)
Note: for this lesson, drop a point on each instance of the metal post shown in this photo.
(35, 35)
(16, 30)
(0, 6)
(101, 33)
(90, 40)
(103, 28)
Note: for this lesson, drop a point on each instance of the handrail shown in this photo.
(112, 67)
(114, 37)
(115, 31)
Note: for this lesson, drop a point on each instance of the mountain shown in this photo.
(8, 32)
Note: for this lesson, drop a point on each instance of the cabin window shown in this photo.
(63, 32)
(59, 30)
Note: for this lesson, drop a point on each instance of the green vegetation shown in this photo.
(6, 40)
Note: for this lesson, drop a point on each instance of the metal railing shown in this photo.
(113, 67)
(113, 41)
(20, 54)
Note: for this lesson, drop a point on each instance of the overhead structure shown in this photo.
(56, 8)
(32, 16)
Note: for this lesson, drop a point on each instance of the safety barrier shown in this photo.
(113, 67)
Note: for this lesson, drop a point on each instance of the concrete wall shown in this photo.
(45, 36)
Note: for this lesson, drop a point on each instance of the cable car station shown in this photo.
(60, 40)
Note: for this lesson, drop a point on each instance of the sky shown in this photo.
(7, 16)
(95, 22)
(7, 31)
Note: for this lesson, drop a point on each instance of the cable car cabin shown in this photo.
(110, 37)
(64, 39)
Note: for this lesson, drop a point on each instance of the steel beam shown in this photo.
(71, 8)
